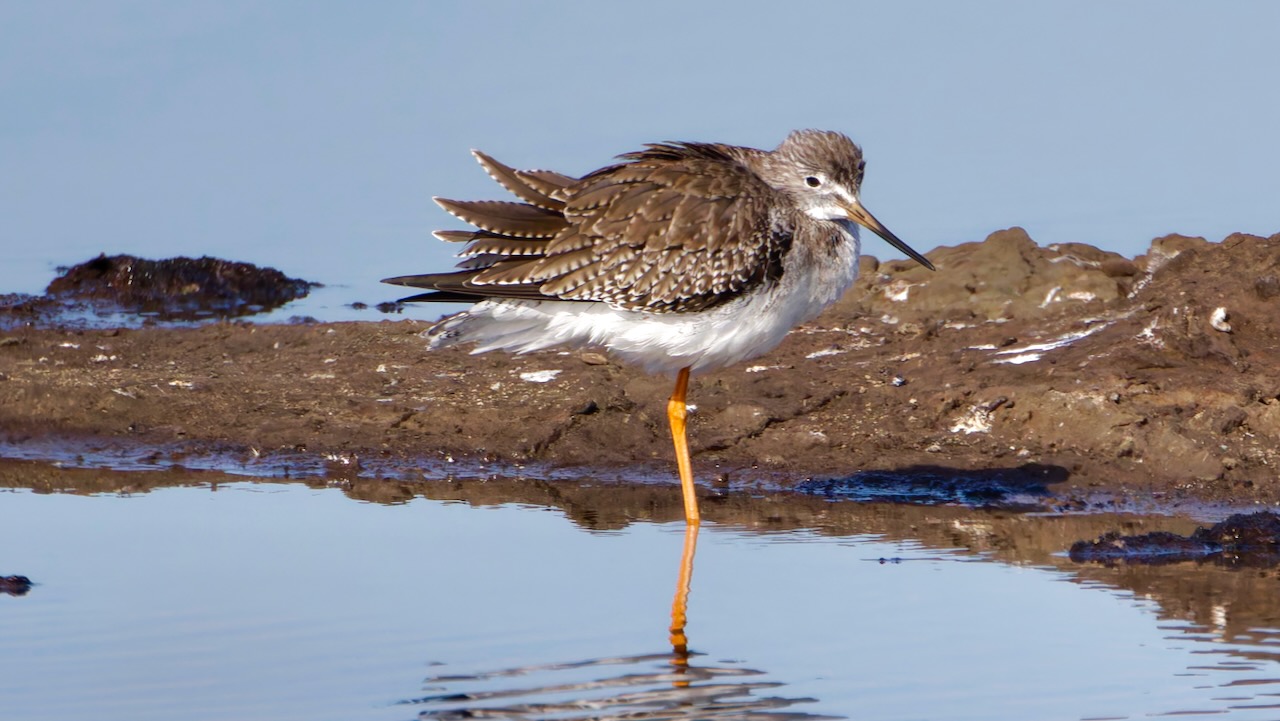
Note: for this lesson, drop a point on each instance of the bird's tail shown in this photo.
(513, 326)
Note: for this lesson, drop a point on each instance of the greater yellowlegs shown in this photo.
(683, 257)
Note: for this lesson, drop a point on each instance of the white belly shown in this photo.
(666, 342)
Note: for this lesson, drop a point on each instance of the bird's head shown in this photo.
(822, 173)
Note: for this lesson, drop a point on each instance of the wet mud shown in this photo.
(1023, 487)
(1079, 379)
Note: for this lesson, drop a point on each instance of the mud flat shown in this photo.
(1100, 379)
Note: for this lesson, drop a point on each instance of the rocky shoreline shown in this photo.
(1096, 375)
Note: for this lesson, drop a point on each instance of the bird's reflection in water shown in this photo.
(648, 686)
(680, 604)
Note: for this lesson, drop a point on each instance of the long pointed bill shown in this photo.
(863, 217)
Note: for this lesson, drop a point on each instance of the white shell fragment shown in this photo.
(1219, 320)
(975, 420)
(539, 376)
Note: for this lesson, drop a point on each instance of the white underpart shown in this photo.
(738, 330)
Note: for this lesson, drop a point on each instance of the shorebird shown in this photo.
(680, 258)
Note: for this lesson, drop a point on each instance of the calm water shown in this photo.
(271, 600)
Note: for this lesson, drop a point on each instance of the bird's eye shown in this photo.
(813, 181)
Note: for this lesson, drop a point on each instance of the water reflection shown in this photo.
(680, 604)
(1215, 611)
(668, 686)
(985, 610)
(664, 692)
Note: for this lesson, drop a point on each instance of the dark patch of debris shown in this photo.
(1244, 540)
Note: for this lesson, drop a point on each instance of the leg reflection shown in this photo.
(645, 686)
(680, 605)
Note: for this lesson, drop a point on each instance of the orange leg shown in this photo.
(680, 604)
(676, 415)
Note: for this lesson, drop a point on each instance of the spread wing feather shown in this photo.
(547, 182)
(520, 186)
(518, 220)
(674, 227)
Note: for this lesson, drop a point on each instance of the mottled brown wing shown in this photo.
(677, 228)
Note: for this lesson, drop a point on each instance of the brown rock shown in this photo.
(1005, 276)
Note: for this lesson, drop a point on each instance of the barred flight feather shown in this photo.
(675, 227)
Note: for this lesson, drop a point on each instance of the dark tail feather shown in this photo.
(457, 287)
(440, 296)
(428, 280)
